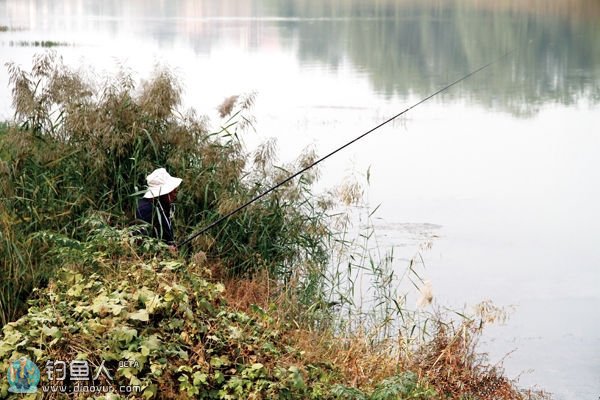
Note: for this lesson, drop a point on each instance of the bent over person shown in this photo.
(156, 207)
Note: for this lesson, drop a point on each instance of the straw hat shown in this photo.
(160, 182)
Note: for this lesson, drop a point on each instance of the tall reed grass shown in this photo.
(77, 146)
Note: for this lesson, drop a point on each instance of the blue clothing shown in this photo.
(158, 214)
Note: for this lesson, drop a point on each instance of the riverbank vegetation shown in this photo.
(251, 309)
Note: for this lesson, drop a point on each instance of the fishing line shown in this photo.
(289, 178)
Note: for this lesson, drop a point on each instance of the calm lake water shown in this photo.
(504, 168)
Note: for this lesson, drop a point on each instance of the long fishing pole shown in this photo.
(289, 178)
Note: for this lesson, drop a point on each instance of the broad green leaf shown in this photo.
(75, 290)
(52, 332)
(149, 299)
(140, 315)
(124, 334)
(200, 378)
(171, 265)
(150, 391)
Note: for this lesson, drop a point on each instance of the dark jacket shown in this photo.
(156, 212)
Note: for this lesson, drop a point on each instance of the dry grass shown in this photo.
(447, 359)
(226, 107)
(450, 362)
(243, 293)
(360, 360)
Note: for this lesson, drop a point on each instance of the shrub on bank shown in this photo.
(163, 327)
(170, 322)
(77, 146)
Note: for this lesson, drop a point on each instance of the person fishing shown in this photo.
(156, 207)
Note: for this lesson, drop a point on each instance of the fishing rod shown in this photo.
(289, 178)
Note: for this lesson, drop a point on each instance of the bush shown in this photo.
(165, 317)
(110, 303)
(76, 147)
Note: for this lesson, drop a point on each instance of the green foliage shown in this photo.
(171, 321)
(343, 392)
(404, 386)
(77, 147)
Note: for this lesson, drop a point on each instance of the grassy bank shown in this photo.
(190, 336)
(244, 311)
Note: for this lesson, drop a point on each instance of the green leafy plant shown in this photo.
(164, 315)
(404, 386)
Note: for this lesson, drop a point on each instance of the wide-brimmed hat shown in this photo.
(160, 182)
